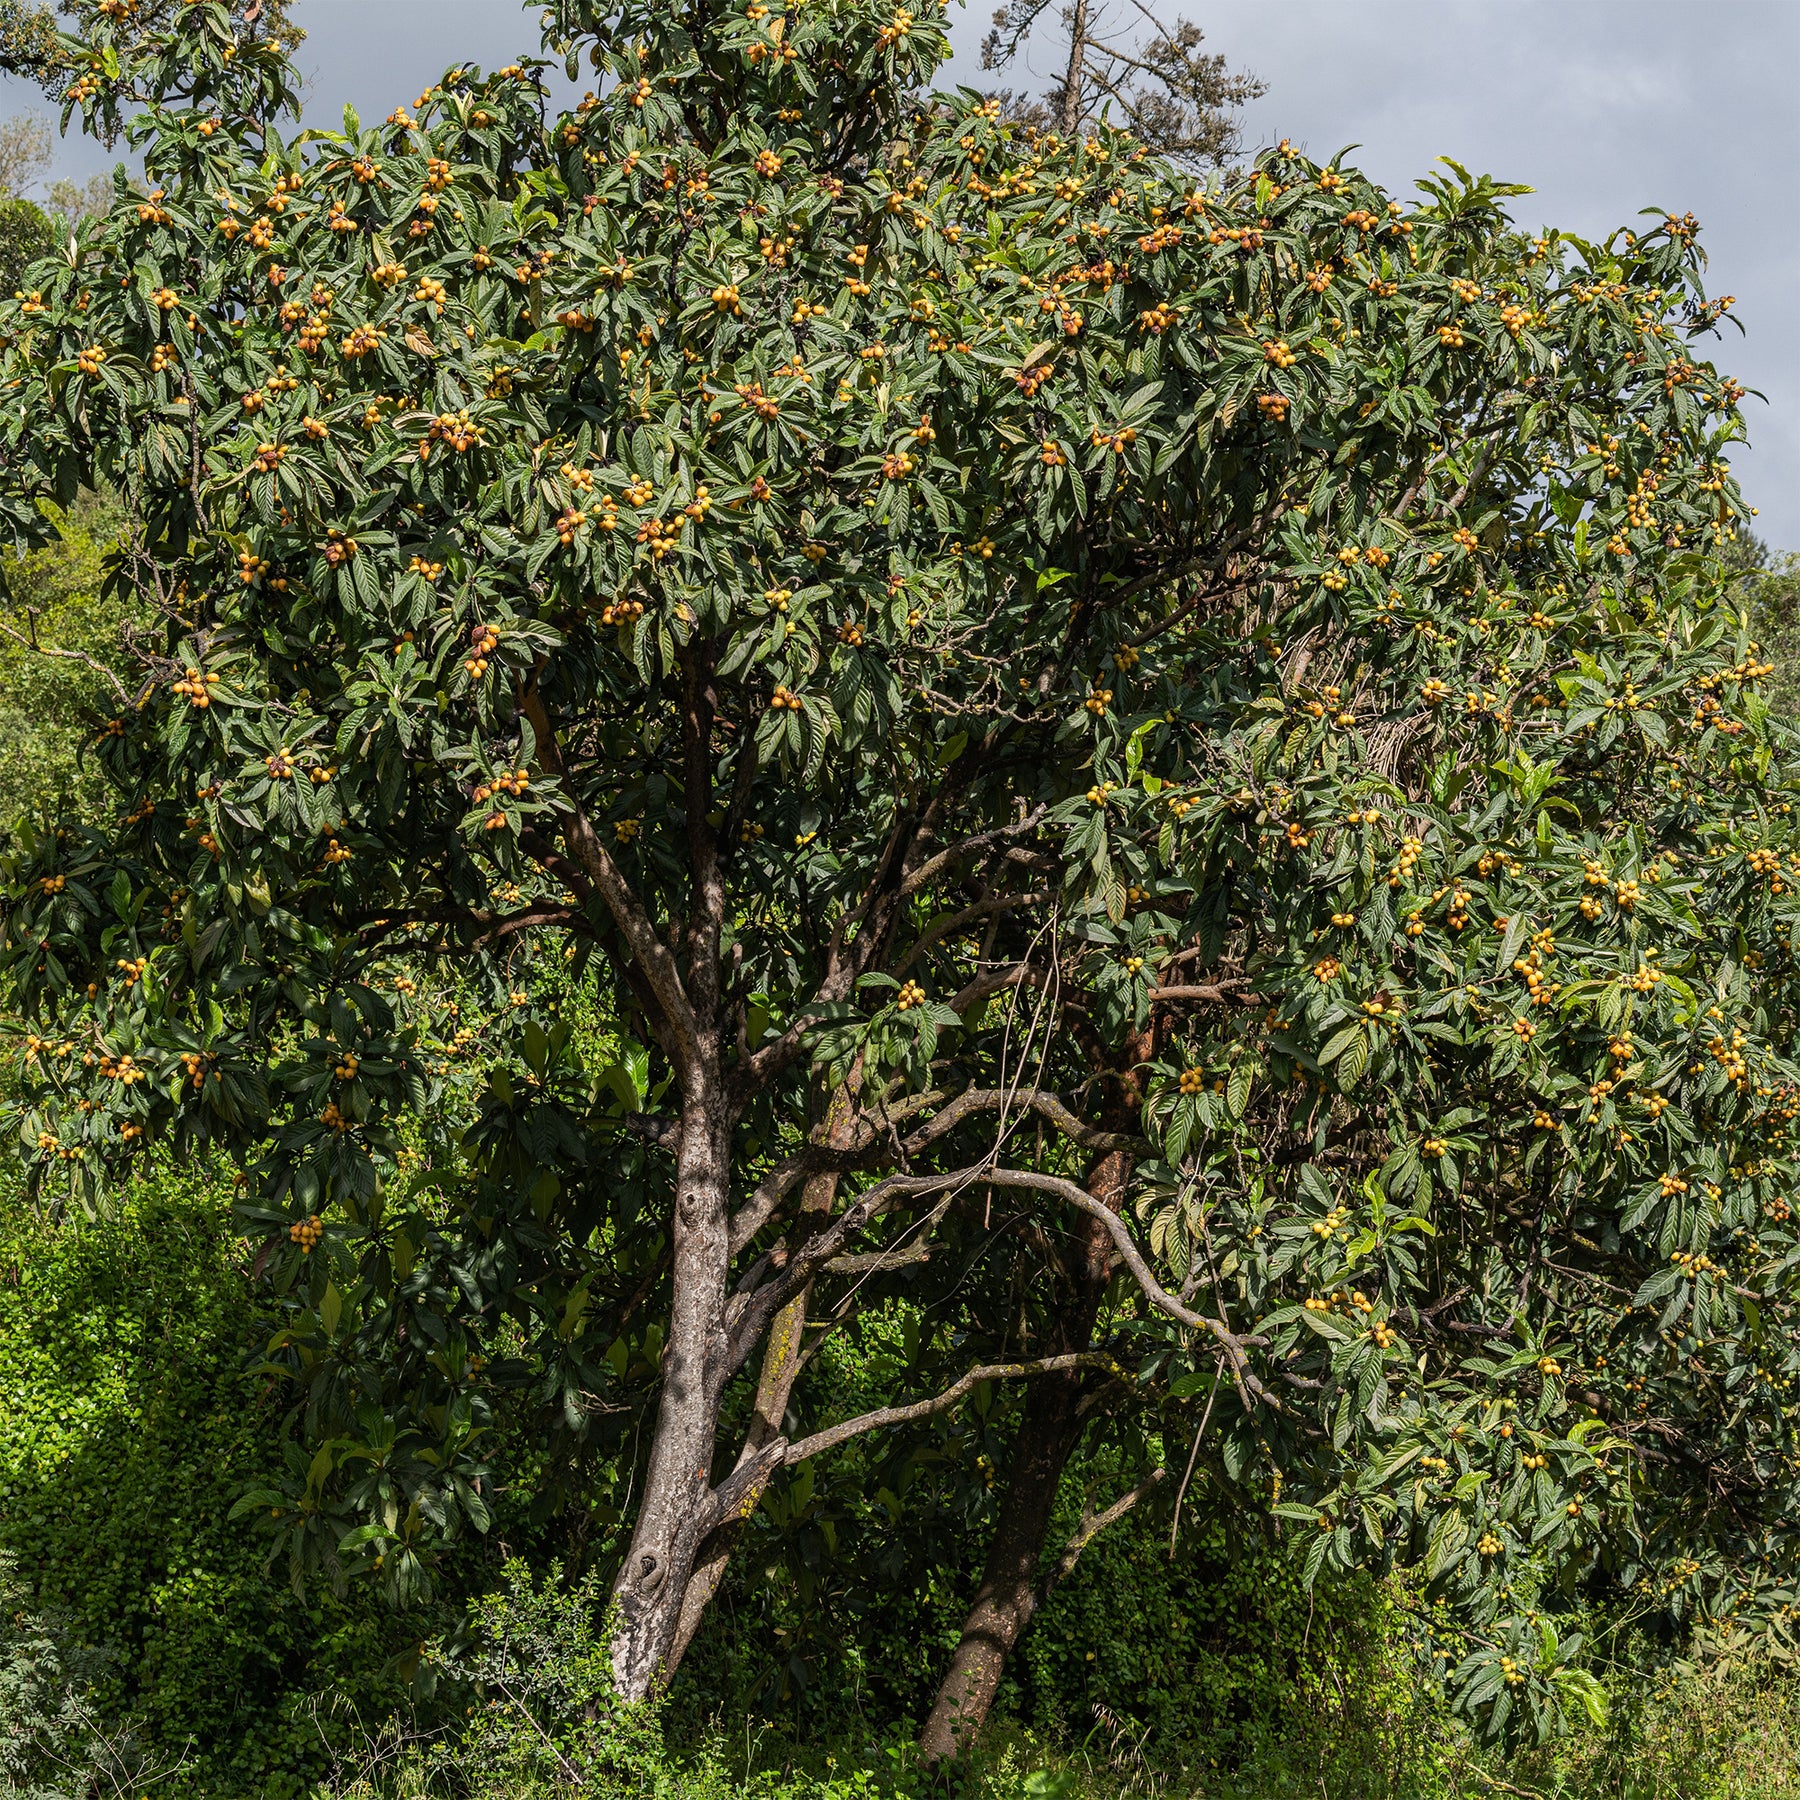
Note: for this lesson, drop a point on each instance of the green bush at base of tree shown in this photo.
(129, 1427)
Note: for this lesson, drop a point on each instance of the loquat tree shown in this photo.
(1194, 735)
(32, 45)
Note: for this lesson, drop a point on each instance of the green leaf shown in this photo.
(1237, 1087)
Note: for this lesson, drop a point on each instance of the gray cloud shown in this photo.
(1603, 106)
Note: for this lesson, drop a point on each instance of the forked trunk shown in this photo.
(781, 1364)
(774, 1387)
(657, 1568)
(1049, 1429)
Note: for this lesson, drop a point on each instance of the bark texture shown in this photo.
(775, 1384)
(673, 1515)
(1069, 112)
(654, 1576)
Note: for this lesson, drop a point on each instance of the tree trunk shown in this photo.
(1049, 1430)
(650, 1585)
(781, 1365)
(1069, 111)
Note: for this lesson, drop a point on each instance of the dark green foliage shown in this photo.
(28, 44)
(1427, 1202)
(47, 1737)
(533, 1666)
(415, 693)
(857, 1572)
(53, 695)
(126, 1434)
(1206, 1653)
(31, 43)
(127, 1428)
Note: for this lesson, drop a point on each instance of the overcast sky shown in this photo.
(1602, 106)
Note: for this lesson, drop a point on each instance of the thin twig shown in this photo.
(81, 656)
(1188, 1473)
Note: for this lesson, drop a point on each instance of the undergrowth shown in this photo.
(147, 1650)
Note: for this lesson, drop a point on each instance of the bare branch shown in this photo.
(875, 1262)
(663, 1132)
(80, 656)
(750, 1310)
(950, 923)
(751, 1474)
(527, 920)
(1198, 598)
(984, 986)
(833, 1435)
(648, 951)
(969, 846)
(1092, 1524)
(1218, 993)
(1229, 1341)
(1041, 1101)
(769, 1193)
(1188, 1474)
(752, 1307)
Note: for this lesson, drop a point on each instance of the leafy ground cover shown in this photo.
(132, 1418)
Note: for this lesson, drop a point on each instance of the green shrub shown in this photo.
(26, 233)
(1725, 1728)
(540, 1715)
(51, 1745)
(145, 1629)
(855, 1578)
(127, 1429)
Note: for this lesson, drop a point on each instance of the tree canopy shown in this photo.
(1155, 784)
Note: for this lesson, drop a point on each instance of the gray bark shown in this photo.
(657, 1568)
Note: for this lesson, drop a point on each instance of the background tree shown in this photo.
(63, 662)
(1037, 700)
(1770, 591)
(25, 233)
(25, 153)
(1159, 83)
(27, 230)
